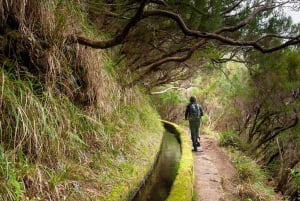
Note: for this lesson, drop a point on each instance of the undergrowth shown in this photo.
(251, 179)
(51, 149)
(68, 130)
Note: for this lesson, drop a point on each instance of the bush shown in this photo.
(231, 138)
(296, 176)
(252, 180)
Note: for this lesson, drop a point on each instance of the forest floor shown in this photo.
(214, 173)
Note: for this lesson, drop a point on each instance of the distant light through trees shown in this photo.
(295, 16)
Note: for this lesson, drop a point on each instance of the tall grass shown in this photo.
(70, 132)
(53, 149)
(10, 187)
(37, 125)
(251, 179)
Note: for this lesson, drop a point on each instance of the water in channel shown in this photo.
(158, 185)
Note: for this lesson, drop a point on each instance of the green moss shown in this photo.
(182, 188)
(78, 152)
(143, 130)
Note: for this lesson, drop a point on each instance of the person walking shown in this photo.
(193, 113)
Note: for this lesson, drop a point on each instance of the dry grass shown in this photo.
(68, 132)
(53, 145)
(252, 180)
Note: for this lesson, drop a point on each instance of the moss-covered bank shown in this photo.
(68, 129)
(182, 188)
(51, 149)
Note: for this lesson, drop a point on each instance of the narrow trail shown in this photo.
(214, 173)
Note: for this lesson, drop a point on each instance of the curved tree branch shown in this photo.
(163, 57)
(140, 14)
(216, 36)
(117, 39)
(230, 9)
(166, 90)
(248, 19)
(155, 65)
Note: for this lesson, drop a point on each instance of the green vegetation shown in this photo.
(182, 188)
(296, 176)
(251, 179)
(260, 124)
(255, 109)
(50, 147)
(68, 130)
(231, 138)
(76, 116)
(169, 105)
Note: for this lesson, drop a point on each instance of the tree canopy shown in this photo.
(167, 41)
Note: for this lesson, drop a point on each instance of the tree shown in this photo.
(178, 36)
(271, 115)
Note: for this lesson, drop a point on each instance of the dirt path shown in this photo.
(214, 173)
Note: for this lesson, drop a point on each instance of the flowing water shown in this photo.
(158, 185)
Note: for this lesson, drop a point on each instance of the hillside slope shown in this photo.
(68, 130)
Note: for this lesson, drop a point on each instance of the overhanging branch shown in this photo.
(118, 39)
(216, 36)
(141, 14)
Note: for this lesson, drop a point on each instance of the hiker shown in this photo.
(193, 113)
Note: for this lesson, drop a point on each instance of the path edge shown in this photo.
(183, 185)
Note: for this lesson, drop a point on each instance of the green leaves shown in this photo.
(10, 187)
(296, 176)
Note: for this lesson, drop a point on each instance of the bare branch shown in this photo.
(230, 9)
(189, 32)
(246, 21)
(197, 37)
(198, 34)
(167, 89)
(117, 39)
(155, 65)
(163, 57)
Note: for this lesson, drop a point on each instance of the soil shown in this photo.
(214, 173)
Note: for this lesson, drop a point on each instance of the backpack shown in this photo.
(195, 111)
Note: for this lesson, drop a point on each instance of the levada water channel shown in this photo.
(158, 185)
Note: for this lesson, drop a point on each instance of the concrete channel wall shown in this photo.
(182, 188)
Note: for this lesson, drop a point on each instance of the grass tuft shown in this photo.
(232, 139)
(52, 149)
(252, 180)
(68, 130)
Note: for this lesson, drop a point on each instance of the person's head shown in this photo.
(193, 99)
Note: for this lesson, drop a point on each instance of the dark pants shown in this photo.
(194, 127)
